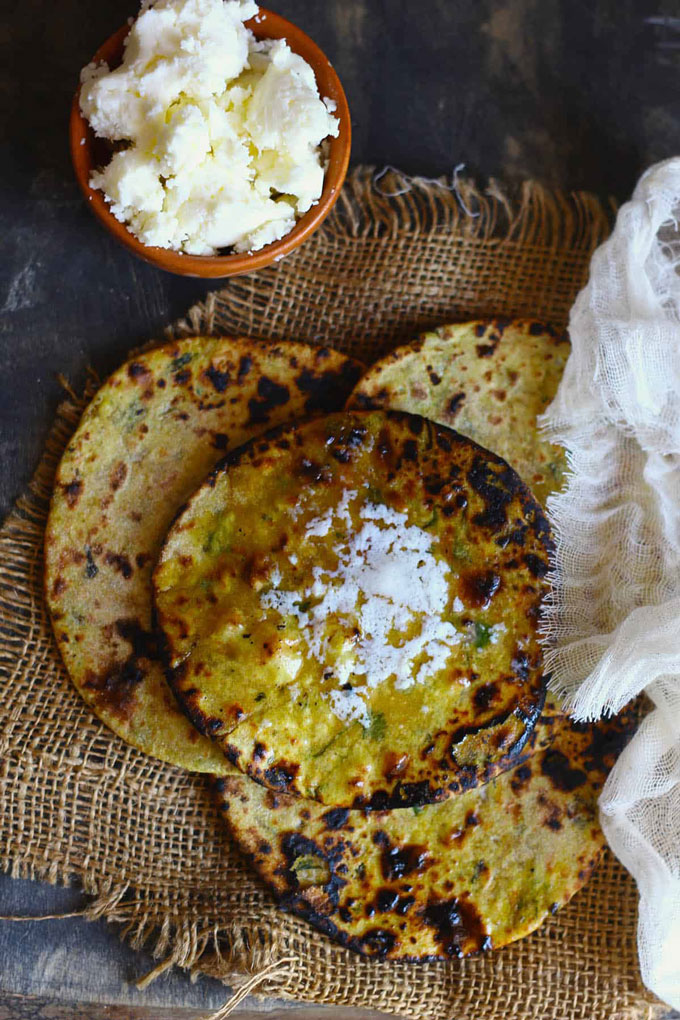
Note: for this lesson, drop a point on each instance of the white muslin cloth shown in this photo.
(612, 623)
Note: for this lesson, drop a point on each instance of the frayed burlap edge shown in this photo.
(372, 207)
(387, 204)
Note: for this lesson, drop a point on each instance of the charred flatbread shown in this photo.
(351, 606)
(446, 880)
(489, 380)
(149, 437)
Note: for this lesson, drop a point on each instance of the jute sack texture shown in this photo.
(143, 838)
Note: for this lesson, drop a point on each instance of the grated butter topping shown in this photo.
(388, 594)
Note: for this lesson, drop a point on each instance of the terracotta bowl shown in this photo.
(88, 153)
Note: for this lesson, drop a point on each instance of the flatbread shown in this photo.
(471, 874)
(489, 380)
(149, 437)
(351, 606)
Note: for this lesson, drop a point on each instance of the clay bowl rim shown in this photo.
(265, 25)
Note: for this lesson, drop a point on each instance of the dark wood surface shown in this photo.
(576, 93)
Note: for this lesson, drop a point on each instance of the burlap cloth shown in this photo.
(144, 838)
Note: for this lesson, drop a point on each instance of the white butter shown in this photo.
(223, 131)
(389, 589)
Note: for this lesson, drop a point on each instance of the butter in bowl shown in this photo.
(210, 136)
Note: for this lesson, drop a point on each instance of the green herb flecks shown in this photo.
(377, 726)
(181, 361)
(432, 521)
(481, 634)
(322, 750)
(310, 870)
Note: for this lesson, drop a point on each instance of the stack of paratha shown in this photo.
(344, 623)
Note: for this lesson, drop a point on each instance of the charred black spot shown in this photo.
(520, 777)
(455, 403)
(433, 484)
(434, 378)
(327, 390)
(314, 471)
(219, 380)
(364, 402)
(161, 384)
(552, 814)
(456, 922)
(182, 376)
(220, 440)
(72, 492)
(141, 559)
(404, 905)
(264, 847)
(398, 861)
(116, 686)
(538, 329)
(485, 350)
(467, 731)
(478, 587)
(271, 394)
(386, 900)
(520, 665)
(144, 643)
(232, 753)
(608, 739)
(378, 942)
(443, 441)
(415, 423)
(516, 537)
(118, 476)
(481, 328)
(259, 752)
(137, 369)
(212, 724)
(244, 367)
(536, 566)
(336, 818)
(556, 766)
(410, 450)
(282, 775)
(342, 454)
(294, 845)
(497, 488)
(119, 562)
(484, 695)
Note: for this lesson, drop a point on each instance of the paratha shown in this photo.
(446, 880)
(149, 437)
(351, 607)
(489, 380)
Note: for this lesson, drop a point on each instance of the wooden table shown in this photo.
(577, 93)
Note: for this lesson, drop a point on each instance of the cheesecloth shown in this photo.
(613, 621)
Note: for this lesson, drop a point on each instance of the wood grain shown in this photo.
(19, 1007)
(577, 94)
